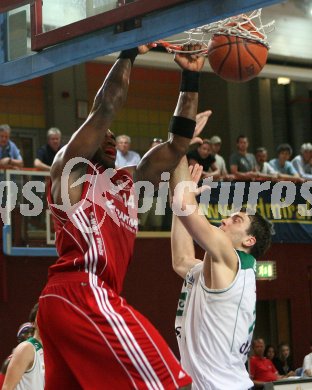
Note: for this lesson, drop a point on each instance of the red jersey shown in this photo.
(262, 369)
(97, 235)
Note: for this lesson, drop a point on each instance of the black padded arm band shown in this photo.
(181, 126)
(189, 81)
(129, 53)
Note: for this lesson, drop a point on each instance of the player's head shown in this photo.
(123, 143)
(248, 232)
(204, 149)
(25, 331)
(106, 154)
(54, 136)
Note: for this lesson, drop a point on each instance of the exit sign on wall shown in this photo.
(266, 270)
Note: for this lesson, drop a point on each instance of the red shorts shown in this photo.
(93, 340)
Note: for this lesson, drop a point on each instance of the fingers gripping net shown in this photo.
(243, 26)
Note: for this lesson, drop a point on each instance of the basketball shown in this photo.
(237, 59)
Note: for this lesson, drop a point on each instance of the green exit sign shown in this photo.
(266, 270)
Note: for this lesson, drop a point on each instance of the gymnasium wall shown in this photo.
(153, 288)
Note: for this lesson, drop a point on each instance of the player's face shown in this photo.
(236, 227)
(106, 154)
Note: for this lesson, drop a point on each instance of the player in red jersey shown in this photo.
(92, 338)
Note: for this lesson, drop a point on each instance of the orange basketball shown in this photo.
(237, 59)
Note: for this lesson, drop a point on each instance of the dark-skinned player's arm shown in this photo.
(166, 156)
(86, 141)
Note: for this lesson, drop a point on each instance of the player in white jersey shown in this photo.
(26, 368)
(216, 311)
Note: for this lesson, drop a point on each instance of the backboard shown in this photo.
(38, 38)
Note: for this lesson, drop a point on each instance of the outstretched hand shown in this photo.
(190, 61)
(201, 120)
(145, 48)
(196, 172)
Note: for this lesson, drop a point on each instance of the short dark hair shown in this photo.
(261, 229)
(33, 313)
(261, 149)
(240, 137)
(283, 148)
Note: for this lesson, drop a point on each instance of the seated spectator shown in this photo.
(283, 362)
(269, 352)
(242, 163)
(203, 156)
(125, 157)
(215, 144)
(283, 166)
(303, 162)
(307, 364)
(26, 367)
(263, 168)
(261, 369)
(46, 154)
(10, 156)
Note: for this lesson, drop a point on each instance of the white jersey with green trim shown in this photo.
(33, 379)
(214, 328)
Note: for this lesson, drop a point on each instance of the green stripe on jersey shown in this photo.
(247, 261)
(35, 343)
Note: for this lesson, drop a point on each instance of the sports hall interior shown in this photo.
(268, 113)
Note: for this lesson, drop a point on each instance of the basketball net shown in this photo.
(243, 26)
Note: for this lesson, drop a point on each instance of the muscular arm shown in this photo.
(182, 248)
(220, 259)
(165, 157)
(21, 361)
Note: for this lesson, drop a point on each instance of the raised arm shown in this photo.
(21, 361)
(167, 155)
(220, 259)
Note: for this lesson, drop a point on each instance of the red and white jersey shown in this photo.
(96, 236)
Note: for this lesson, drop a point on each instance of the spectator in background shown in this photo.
(215, 145)
(285, 169)
(46, 154)
(307, 364)
(261, 369)
(303, 162)
(203, 156)
(263, 168)
(242, 163)
(10, 156)
(126, 157)
(269, 352)
(283, 362)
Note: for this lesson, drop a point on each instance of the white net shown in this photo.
(243, 26)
